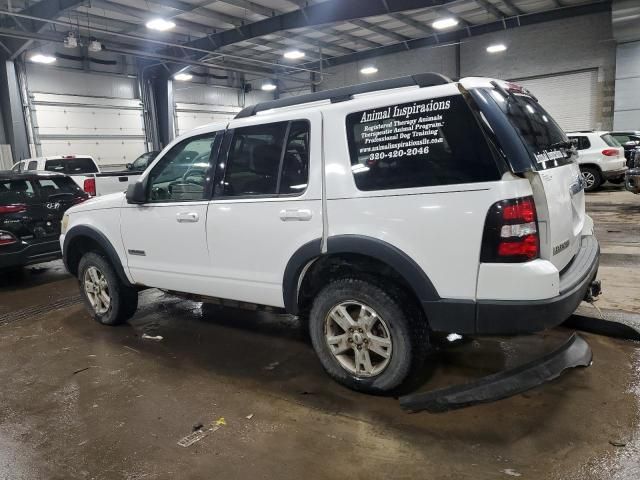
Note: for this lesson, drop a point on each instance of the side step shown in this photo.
(575, 352)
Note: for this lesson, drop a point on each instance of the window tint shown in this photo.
(418, 144)
(77, 166)
(180, 175)
(33, 165)
(52, 187)
(610, 140)
(621, 138)
(583, 142)
(15, 191)
(268, 159)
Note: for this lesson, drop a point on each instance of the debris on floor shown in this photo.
(249, 417)
(511, 472)
(272, 366)
(201, 432)
(156, 338)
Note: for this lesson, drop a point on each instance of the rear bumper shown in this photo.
(632, 181)
(29, 254)
(511, 317)
(614, 173)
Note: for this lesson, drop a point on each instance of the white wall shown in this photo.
(627, 100)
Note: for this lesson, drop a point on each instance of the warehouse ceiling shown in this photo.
(251, 37)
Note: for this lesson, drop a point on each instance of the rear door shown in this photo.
(549, 162)
(55, 195)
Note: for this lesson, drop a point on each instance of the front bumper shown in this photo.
(511, 317)
(632, 181)
(28, 254)
(614, 173)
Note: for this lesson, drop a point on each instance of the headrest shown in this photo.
(266, 159)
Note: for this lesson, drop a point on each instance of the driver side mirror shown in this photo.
(136, 193)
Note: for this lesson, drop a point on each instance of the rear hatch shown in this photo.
(539, 149)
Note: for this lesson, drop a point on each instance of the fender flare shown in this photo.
(100, 239)
(372, 247)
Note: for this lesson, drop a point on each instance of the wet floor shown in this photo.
(79, 400)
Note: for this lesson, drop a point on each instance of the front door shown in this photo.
(165, 238)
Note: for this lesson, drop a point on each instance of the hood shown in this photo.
(111, 200)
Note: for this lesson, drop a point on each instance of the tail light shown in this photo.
(90, 186)
(13, 208)
(611, 152)
(7, 238)
(511, 232)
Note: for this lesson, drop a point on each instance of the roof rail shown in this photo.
(346, 93)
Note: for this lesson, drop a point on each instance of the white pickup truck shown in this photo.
(84, 170)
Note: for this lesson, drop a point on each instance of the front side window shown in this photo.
(419, 144)
(180, 175)
(269, 159)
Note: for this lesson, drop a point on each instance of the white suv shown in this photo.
(601, 158)
(378, 213)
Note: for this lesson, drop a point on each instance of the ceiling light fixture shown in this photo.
(42, 58)
(368, 70)
(444, 23)
(500, 47)
(160, 24)
(183, 77)
(268, 87)
(293, 54)
(70, 41)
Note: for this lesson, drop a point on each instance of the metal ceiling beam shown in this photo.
(407, 20)
(44, 9)
(491, 8)
(331, 11)
(517, 10)
(379, 30)
(473, 30)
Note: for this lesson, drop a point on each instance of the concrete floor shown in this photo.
(79, 400)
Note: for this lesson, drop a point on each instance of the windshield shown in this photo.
(545, 141)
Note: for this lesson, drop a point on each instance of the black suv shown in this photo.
(31, 208)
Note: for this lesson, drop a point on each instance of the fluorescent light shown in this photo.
(500, 47)
(183, 77)
(293, 54)
(160, 24)
(42, 58)
(368, 70)
(268, 86)
(444, 23)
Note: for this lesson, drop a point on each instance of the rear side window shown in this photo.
(268, 159)
(418, 144)
(583, 142)
(72, 166)
(610, 140)
(52, 187)
(15, 191)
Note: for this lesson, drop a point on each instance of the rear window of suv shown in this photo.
(610, 140)
(419, 144)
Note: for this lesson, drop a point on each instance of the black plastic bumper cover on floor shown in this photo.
(575, 352)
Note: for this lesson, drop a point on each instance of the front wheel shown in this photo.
(107, 298)
(592, 177)
(368, 337)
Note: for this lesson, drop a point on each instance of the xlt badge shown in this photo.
(560, 247)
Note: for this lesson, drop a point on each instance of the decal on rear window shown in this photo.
(425, 143)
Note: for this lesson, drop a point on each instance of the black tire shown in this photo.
(593, 177)
(406, 326)
(124, 299)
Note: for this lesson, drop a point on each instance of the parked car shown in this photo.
(437, 206)
(601, 158)
(31, 207)
(143, 161)
(630, 140)
(632, 178)
(83, 169)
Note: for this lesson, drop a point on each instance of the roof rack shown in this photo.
(346, 93)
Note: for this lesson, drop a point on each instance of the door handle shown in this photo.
(300, 215)
(187, 217)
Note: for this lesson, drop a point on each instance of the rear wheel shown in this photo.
(368, 337)
(107, 298)
(592, 177)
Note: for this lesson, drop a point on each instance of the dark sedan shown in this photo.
(31, 208)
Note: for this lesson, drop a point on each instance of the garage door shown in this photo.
(111, 130)
(570, 98)
(190, 115)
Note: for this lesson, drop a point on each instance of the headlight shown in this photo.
(64, 224)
